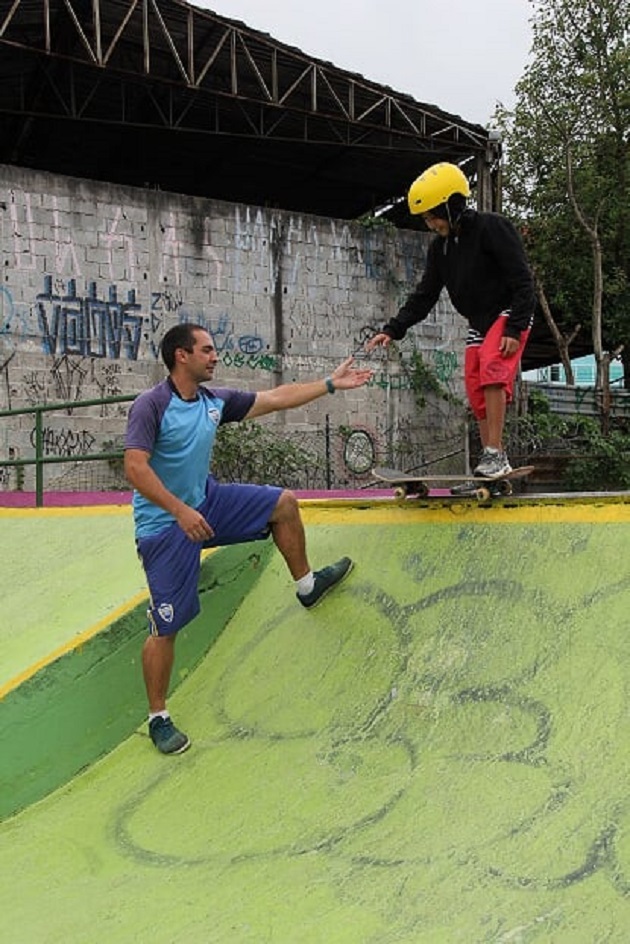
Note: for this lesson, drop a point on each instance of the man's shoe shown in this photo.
(493, 464)
(325, 580)
(166, 737)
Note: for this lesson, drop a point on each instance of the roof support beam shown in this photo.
(183, 46)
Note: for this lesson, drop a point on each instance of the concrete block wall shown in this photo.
(93, 275)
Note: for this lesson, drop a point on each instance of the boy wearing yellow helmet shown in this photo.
(480, 260)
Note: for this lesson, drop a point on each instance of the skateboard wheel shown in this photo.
(400, 491)
(505, 487)
(483, 494)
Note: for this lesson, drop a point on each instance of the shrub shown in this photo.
(258, 453)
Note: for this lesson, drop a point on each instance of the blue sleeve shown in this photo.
(145, 416)
(237, 403)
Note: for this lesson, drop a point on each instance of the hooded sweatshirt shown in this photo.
(484, 269)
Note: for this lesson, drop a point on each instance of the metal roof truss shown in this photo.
(163, 63)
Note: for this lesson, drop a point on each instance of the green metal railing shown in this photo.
(39, 460)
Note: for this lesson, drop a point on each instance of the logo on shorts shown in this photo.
(166, 612)
(214, 414)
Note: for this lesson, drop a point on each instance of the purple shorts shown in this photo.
(236, 513)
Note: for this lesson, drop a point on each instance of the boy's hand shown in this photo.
(380, 338)
(508, 346)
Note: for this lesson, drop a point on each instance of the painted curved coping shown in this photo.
(81, 705)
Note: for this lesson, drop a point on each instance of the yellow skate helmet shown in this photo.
(434, 186)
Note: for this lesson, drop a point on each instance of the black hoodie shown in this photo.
(485, 271)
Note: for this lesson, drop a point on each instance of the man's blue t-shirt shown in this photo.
(179, 436)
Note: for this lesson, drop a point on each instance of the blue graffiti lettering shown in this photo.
(89, 326)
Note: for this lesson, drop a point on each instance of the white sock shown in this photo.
(305, 584)
(158, 714)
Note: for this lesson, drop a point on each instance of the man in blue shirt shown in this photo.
(179, 508)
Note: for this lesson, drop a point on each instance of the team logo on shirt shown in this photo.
(214, 414)
(166, 612)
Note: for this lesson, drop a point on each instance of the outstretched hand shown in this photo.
(346, 377)
(381, 338)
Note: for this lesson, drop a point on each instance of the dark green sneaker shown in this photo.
(325, 580)
(166, 736)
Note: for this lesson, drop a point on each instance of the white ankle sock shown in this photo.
(158, 714)
(305, 584)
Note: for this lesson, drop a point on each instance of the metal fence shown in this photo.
(42, 457)
(581, 400)
(322, 458)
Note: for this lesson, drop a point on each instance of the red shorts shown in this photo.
(485, 366)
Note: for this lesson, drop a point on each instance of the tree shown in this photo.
(563, 341)
(568, 163)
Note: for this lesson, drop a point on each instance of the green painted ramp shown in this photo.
(440, 752)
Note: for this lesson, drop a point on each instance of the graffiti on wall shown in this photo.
(88, 325)
(23, 234)
(35, 389)
(69, 374)
(13, 323)
(266, 362)
(65, 442)
(65, 254)
(445, 365)
(234, 349)
(106, 327)
(119, 244)
(109, 322)
(167, 302)
(109, 382)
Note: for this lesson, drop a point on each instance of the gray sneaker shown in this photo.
(166, 737)
(325, 580)
(492, 465)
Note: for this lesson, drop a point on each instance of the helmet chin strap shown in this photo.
(453, 220)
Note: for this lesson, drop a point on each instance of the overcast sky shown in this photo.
(461, 55)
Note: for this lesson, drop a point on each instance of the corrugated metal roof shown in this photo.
(163, 94)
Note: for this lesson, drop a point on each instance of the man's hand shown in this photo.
(144, 479)
(290, 395)
(508, 346)
(193, 524)
(383, 339)
(346, 377)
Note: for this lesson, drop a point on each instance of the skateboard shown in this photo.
(406, 484)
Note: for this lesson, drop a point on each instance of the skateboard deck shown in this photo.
(408, 484)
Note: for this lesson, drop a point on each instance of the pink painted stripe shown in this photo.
(62, 499)
(69, 499)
